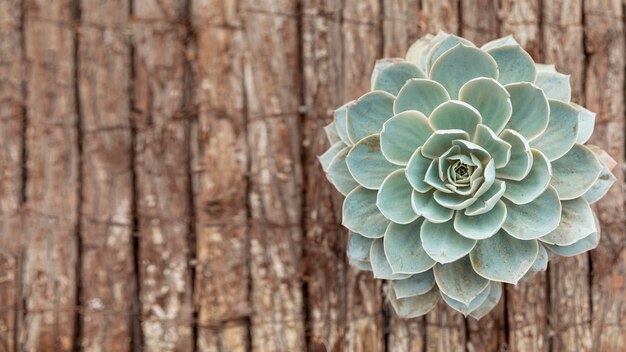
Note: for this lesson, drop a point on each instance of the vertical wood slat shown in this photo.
(526, 303)
(11, 159)
(570, 310)
(400, 30)
(272, 91)
(219, 179)
(160, 102)
(604, 84)
(107, 271)
(445, 328)
(325, 241)
(479, 23)
(362, 46)
(52, 173)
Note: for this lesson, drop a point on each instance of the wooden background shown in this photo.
(159, 188)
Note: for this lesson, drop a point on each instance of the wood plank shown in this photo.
(11, 168)
(526, 303)
(272, 89)
(604, 82)
(479, 20)
(445, 328)
(219, 179)
(160, 102)
(570, 310)
(325, 258)
(362, 46)
(52, 178)
(107, 267)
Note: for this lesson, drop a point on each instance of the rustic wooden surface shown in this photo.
(160, 189)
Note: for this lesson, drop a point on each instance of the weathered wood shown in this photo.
(324, 250)
(604, 82)
(570, 310)
(220, 179)
(106, 271)
(479, 20)
(521, 18)
(11, 160)
(436, 15)
(406, 335)
(160, 102)
(52, 178)
(272, 88)
(362, 46)
(400, 26)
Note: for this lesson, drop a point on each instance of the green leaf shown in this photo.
(338, 173)
(341, 122)
(586, 244)
(561, 133)
(443, 243)
(531, 111)
(555, 85)
(444, 45)
(514, 64)
(403, 248)
(367, 164)
(535, 219)
(495, 292)
(441, 141)
(359, 246)
(575, 172)
(330, 154)
(481, 226)
(414, 306)
(455, 114)
(540, 263)
(415, 285)
(577, 222)
(416, 171)
(425, 205)
(521, 159)
(418, 51)
(391, 74)
(331, 133)
(463, 308)
(394, 198)
(491, 99)
(497, 148)
(459, 281)
(533, 185)
(496, 43)
(368, 114)
(403, 134)
(361, 215)
(421, 95)
(586, 123)
(453, 201)
(488, 200)
(380, 265)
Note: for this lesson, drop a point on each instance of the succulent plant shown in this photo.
(464, 168)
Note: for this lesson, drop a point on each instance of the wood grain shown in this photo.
(604, 82)
(12, 111)
(52, 178)
(220, 179)
(161, 165)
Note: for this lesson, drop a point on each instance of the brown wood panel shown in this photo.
(325, 241)
(604, 83)
(479, 20)
(570, 310)
(11, 168)
(526, 303)
(52, 178)
(272, 90)
(220, 178)
(107, 267)
(161, 166)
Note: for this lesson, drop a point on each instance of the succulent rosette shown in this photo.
(464, 168)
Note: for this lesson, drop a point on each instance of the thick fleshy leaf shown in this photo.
(380, 265)
(577, 222)
(497, 148)
(545, 68)
(393, 76)
(331, 133)
(521, 159)
(489, 175)
(361, 215)
(444, 45)
(561, 133)
(496, 43)
(481, 226)
(495, 293)
(601, 186)
(555, 85)
(416, 171)
(361, 264)
(441, 141)
(342, 122)
(455, 114)
(394, 198)
(514, 64)
(433, 179)
(417, 284)
(503, 258)
(359, 247)
(418, 51)
(425, 205)
(540, 263)
(461, 64)
(469, 148)
(403, 134)
(338, 173)
(531, 111)
(575, 172)
(459, 281)
(367, 164)
(330, 154)
(453, 201)
(404, 250)
(367, 115)
(533, 185)
(488, 200)
(414, 306)
(535, 219)
(586, 123)
(586, 244)
(491, 99)
(463, 308)
(422, 95)
(443, 243)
